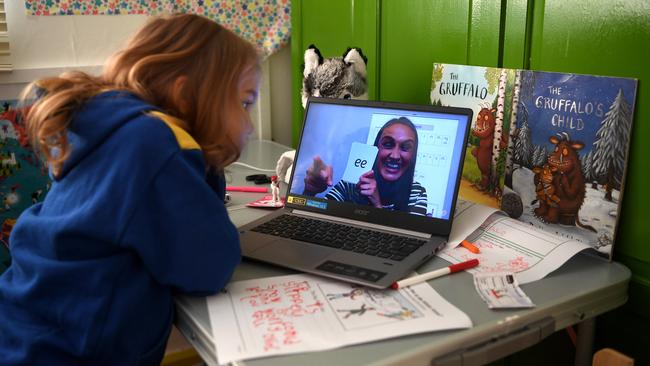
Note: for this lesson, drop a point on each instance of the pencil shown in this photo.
(246, 189)
(471, 247)
(434, 274)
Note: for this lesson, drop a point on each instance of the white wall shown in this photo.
(65, 41)
(281, 94)
(47, 45)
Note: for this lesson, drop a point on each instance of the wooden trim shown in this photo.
(611, 357)
(186, 357)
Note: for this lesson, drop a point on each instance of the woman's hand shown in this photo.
(318, 177)
(367, 186)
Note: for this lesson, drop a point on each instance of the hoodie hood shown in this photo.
(96, 121)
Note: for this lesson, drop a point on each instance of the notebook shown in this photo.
(372, 193)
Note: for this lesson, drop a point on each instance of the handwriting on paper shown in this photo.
(274, 308)
(298, 313)
(508, 245)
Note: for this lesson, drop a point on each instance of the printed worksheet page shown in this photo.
(507, 245)
(300, 313)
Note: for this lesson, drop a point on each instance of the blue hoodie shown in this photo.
(129, 222)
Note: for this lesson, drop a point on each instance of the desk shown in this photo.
(581, 289)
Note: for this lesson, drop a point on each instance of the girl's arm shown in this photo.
(181, 229)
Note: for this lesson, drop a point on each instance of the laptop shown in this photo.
(372, 193)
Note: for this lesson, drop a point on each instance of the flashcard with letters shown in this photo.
(361, 159)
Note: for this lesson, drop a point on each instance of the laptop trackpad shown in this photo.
(291, 254)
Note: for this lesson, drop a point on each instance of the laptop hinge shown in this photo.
(362, 223)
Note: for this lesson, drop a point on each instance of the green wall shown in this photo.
(413, 37)
(333, 26)
(606, 37)
(402, 39)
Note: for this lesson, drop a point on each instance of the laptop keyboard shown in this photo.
(354, 239)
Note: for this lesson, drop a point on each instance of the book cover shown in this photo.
(24, 179)
(567, 154)
(488, 92)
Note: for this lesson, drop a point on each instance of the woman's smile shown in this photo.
(392, 164)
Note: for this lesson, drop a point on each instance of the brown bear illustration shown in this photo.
(484, 130)
(568, 183)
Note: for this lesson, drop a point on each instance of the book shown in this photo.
(568, 154)
(506, 244)
(567, 142)
(487, 91)
(24, 178)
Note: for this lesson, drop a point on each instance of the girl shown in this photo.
(133, 216)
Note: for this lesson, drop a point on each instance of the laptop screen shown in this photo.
(380, 160)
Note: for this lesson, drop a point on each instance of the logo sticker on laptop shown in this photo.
(317, 204)
(296, 200)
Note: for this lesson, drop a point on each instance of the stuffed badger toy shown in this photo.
(335, 77)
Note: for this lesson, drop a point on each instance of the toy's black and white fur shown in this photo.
(335, 77)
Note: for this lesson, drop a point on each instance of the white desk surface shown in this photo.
(581, 289)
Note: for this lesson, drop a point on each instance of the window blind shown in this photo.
(5, 62)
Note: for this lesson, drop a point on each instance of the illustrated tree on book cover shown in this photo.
(568, 152)
(610, 149)
(487, 91)
(23, 176)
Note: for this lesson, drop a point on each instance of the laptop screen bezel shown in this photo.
(396, 219)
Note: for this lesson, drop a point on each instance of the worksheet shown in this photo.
(300, 313)
(506, 245)
(500, 290)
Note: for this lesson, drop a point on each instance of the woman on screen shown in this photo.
(389, 184)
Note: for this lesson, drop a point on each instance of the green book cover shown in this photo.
(488, 92)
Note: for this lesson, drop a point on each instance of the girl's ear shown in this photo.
(178, 94)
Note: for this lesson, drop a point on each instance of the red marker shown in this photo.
(434, 274)
(247, 189)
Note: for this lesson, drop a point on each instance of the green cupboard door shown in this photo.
(333, 26)
(610, 38)
(417, 33)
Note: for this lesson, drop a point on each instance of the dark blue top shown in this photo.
(130, 221)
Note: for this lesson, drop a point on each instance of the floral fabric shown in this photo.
(265, 23)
